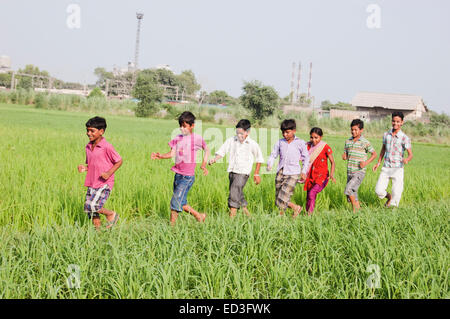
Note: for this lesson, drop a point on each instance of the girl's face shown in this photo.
(315, 138)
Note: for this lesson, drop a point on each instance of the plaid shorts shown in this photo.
(284, 188)
(95, 199)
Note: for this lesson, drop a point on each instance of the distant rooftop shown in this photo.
(392, 101)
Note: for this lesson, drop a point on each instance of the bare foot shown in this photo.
(201, 218)
(297, 211)
(388, 202)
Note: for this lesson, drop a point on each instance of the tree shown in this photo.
(96, 92)
(218, 97)
(261, 100)
(102, 75)
(25, 82)
(187, 82)
(148, 92)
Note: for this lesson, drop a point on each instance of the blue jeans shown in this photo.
(181, 186)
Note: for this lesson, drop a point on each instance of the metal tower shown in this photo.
(292, 97)
(310, 78)
(139, 17)
(298, 82)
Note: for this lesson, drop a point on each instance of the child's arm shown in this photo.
(215, 159)
(164, 156)
(380, 158)
(221, 151)
(112, 170)
(205, 161)
(333, 166)
(409, 158)
(345, 155)
(256, 177)
(273, 155)
(363, 164)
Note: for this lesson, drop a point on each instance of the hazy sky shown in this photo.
(227, 42)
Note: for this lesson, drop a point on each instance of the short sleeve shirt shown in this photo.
(357, 152)
(241, 155)
(395, 146)
(100, 160)
(186, 147)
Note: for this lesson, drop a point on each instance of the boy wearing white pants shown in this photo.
(395, 142)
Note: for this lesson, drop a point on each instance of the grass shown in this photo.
(43, 228)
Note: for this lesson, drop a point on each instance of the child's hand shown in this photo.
(302, 177)
(333, 179)
(82, 168)
(205, 170)
(405, 161)
(375, 167)
(362, 164)
(268, 168)
(155, 156)
(256, 179)
(105, 175)
(212, 161)
(344, 156)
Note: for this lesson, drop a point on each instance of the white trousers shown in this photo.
(396, 174)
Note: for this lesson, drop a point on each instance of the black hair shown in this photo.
(186, 117)
(288, 125)
(316, 130)
(244, 124)
(97, 122)
(358, 122)
(399, 114)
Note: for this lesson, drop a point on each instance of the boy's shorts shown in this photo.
(95, 199)
(354, 180)
(284, 188)
(236, 198)
(181, 186)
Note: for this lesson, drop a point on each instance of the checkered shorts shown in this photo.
(95, 199)
(285, 187)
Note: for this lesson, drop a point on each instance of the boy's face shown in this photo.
(94, 134)
(315, 138)
(241, 134)
(289, 134)
(397, 123)
(186, 128)
(356, 131)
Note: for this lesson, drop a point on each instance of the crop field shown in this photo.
(49, 248)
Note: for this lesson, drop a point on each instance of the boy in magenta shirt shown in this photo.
(102, 162)
(184, 148)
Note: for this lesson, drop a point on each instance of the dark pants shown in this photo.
(236, 198)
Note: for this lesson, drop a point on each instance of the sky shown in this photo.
(400, 46)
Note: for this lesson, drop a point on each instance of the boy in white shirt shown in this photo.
(242, 152)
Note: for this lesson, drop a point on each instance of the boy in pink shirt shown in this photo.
(184, 148)
(102, 162)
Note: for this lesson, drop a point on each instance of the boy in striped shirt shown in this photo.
(356, 149)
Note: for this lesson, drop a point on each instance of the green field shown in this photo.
(43, 228)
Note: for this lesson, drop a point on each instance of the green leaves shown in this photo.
(261, 100)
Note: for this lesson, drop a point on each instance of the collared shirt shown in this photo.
(395, 146)
(290, 156)
(241, 155)
(186, 147)
(100, 160)
(357, 152)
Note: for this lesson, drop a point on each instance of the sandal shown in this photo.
(112, 222)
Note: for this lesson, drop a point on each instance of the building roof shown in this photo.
(390, 101)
